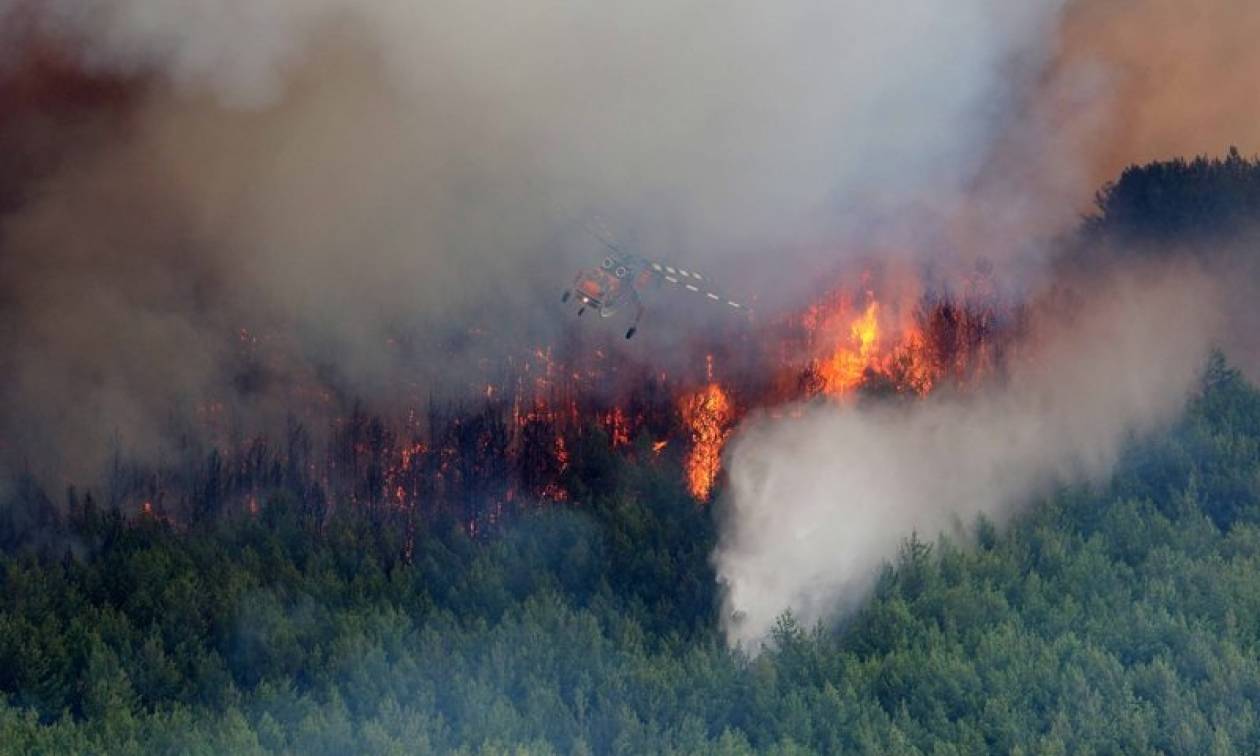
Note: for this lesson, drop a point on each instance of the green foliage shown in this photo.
(1115, 619)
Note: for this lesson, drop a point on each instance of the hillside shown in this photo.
(1120, 616)
(1125, 616)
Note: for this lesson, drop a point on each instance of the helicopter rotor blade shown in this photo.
(604, 236)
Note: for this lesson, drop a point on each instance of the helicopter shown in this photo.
(621, 278)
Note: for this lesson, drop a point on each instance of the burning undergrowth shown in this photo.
(508, 443)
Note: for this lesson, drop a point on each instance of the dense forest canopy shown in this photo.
(1126, 616)
(1204, 199)
(1121, 616)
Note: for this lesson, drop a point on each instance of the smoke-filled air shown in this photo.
(457, 376)
(820, 500)
(337, 175)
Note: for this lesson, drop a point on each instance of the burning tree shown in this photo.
(708, 414)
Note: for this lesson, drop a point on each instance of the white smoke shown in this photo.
(817, 503)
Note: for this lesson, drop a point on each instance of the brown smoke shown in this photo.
(1122, 82)
(1178, 79)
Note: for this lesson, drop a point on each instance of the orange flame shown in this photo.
(845, 369)
(618, 427)
(708, 414)
(878, 346)
(553, 490)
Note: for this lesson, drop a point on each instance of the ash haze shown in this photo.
(817, 503)
(343, 172)
(346, 176)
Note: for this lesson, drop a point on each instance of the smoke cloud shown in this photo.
(368, 189)
(1122, 83)
(817, 504)
(371, 187)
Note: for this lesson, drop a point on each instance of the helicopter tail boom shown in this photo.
(682, 277)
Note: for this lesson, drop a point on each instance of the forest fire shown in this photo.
(848, 349)
(514, 431)
(516, 438)
(872, 346)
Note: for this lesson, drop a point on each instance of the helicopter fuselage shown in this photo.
(621, 277)
(609, 287)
